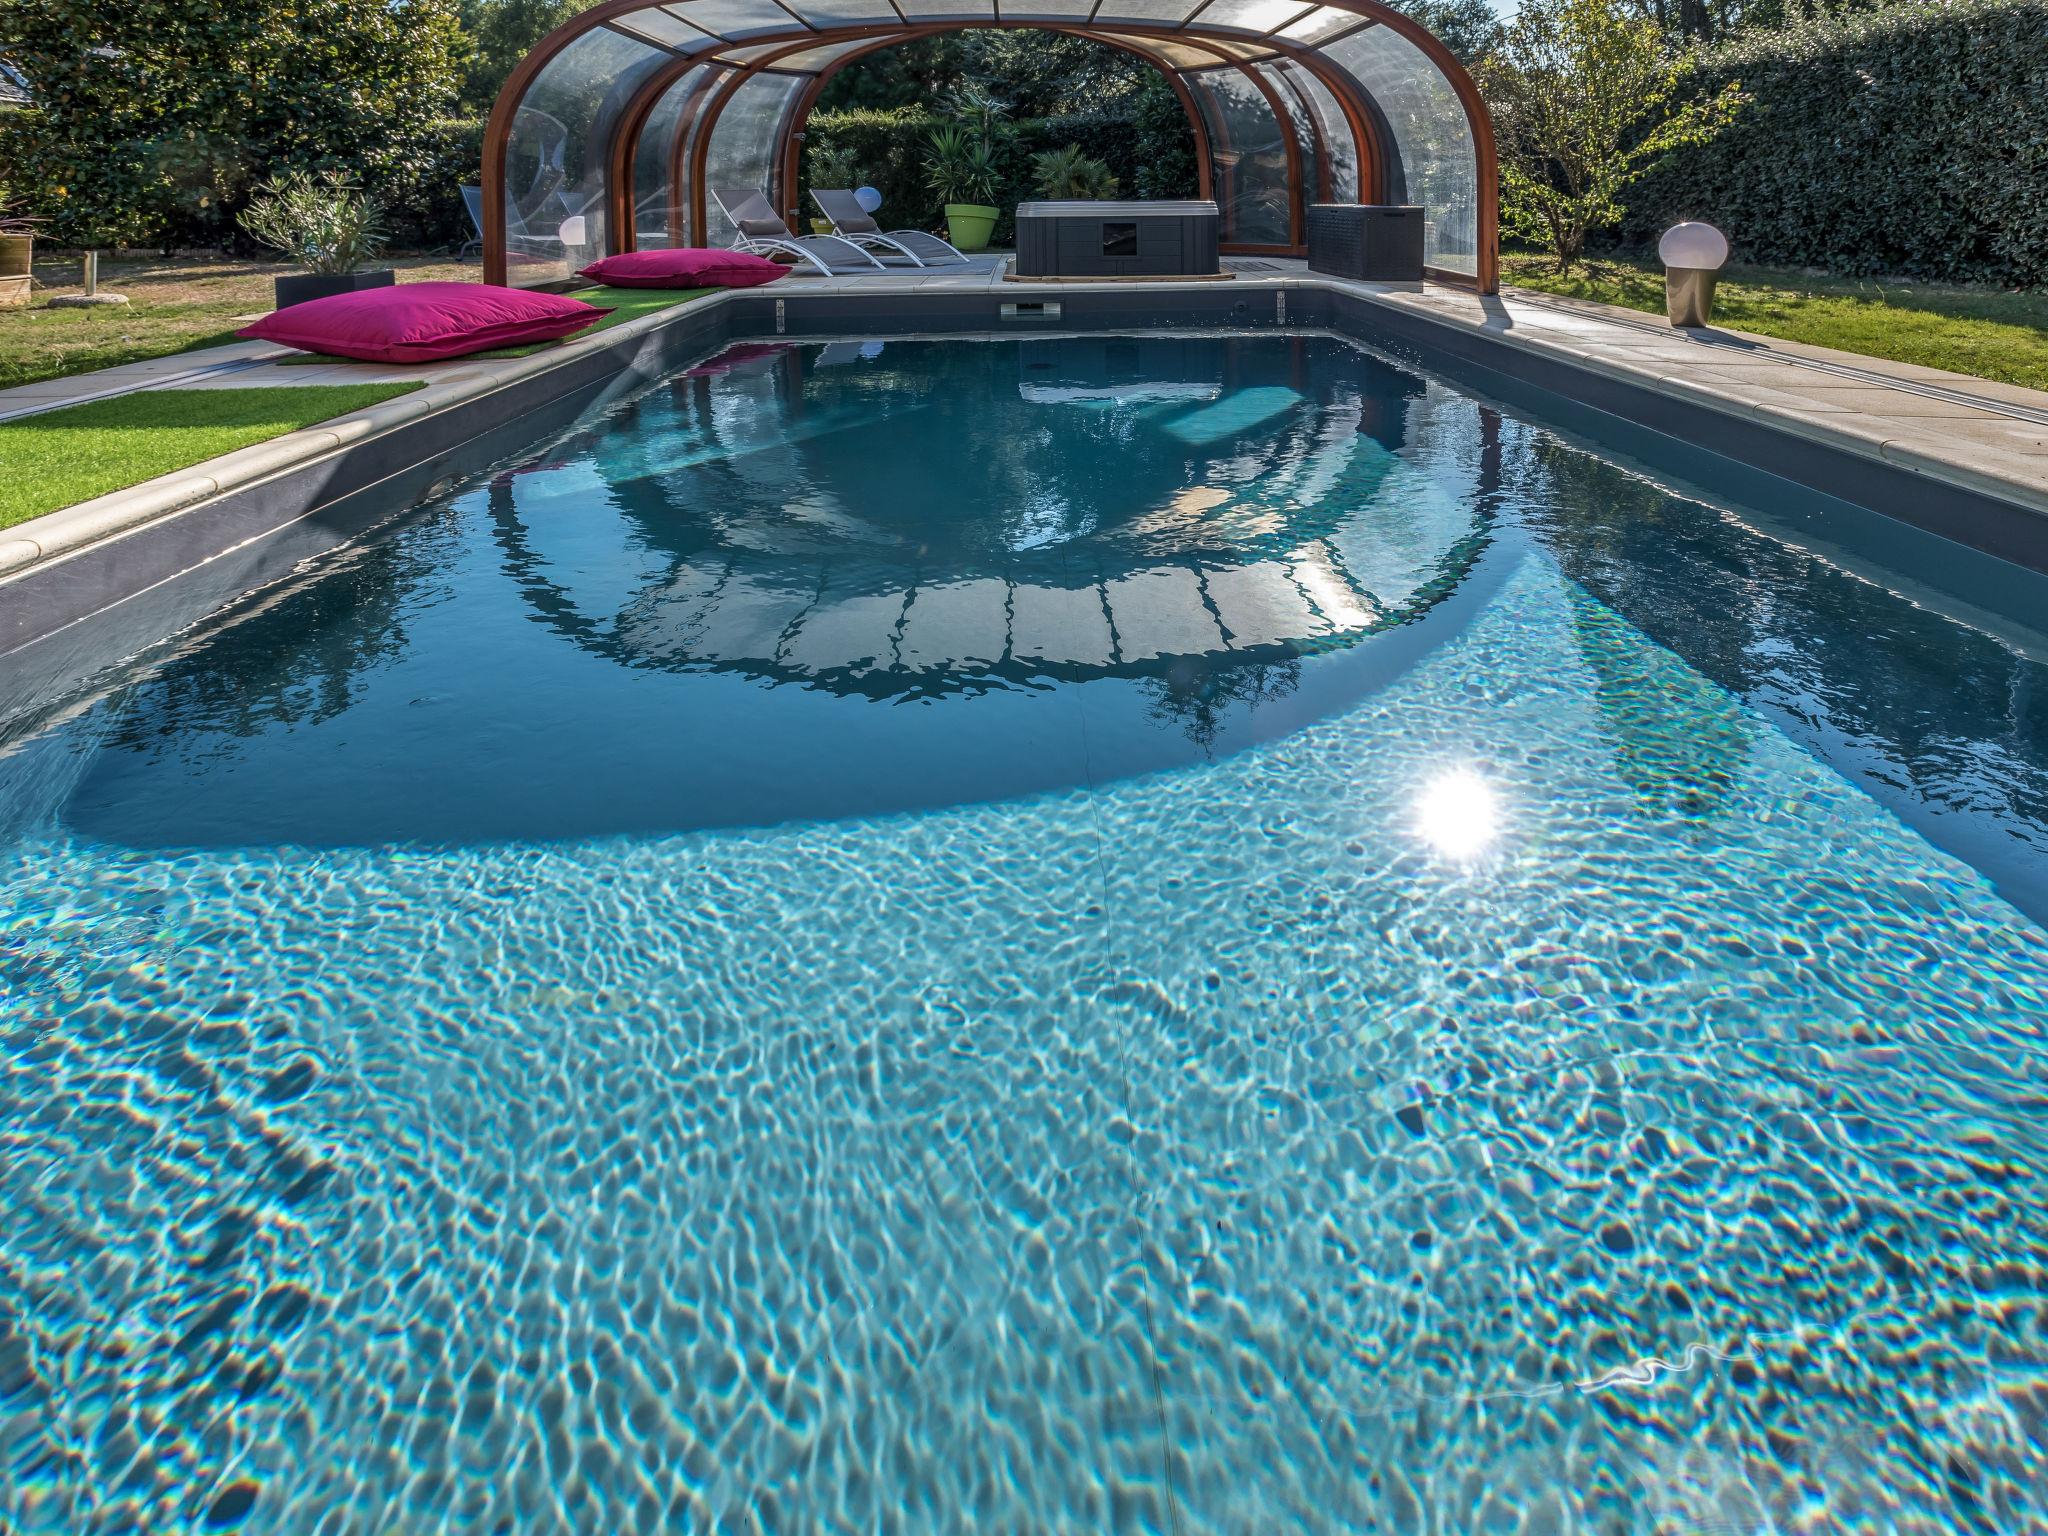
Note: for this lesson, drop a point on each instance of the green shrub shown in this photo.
(422, 193)
(154, 119)
(1912, 139)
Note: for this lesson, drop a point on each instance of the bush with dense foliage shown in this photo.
(1912, 139)
(1153, 154)
(161, 137)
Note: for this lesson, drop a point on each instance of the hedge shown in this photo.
(1911, 140)
(1149, 156)
(422, 197)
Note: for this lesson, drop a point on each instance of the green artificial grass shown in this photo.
(624, 303)
(1991, 333)
(70, 455)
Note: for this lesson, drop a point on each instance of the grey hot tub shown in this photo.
(1116, 239)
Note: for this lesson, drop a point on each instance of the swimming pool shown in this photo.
(1197, 933)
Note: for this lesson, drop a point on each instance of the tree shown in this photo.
(1584, 98)
(161, 134)
(1471, 29)
(500, 33)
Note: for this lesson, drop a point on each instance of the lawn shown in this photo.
(174, 305)
(65, 456)
(1990, 332)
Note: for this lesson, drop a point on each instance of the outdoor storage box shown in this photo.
(1380, 244)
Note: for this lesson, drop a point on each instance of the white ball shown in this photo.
(1693, 245)
(868, 198)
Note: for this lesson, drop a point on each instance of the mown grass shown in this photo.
(1989, 332)
(66, 456)
(174, 305)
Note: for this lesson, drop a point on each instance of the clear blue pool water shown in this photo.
(1180, 934)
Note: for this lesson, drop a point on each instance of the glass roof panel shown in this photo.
(1431, 133)
(658, 26)
(1232, 47)
(1052, 10)
(747, 55)
(734, 18)
(811, 60)
(854, 12)
(1250, 15)
(949, 10)
(1169, 13)
(1181, 56)
(1324, 21)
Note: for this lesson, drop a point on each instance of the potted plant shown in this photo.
(961, 172)
(327, 225)
(17, 252)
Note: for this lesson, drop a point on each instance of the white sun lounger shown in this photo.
(761, 232)
(852, 222)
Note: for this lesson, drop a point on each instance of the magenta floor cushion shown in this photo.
(684, 267)
(420, 322)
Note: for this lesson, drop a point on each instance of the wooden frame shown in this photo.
(709, 101)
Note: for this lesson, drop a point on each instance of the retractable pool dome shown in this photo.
(609, 135)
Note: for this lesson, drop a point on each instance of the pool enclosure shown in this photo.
(609, 136)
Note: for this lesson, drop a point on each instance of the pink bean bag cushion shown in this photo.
(684, 267)
(420, 322)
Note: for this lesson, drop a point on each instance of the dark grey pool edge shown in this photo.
(67, 619)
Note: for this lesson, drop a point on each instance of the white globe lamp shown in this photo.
(1693, 255)
(868, 198)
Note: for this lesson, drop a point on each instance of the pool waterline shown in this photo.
(1107, 1100)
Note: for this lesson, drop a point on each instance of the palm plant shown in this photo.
(1067, 173)
(960, 169)
(325, 223)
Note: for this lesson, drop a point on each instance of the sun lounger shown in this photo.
(761, 232)
(852, 222)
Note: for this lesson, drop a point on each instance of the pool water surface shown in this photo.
(1118, 933)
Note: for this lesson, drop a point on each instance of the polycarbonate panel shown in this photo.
(1051, 10)
(1340, 147)
(1327, 21)
(1261, 16)
(968, 11)
(1431, 134)
(734, 18)
(856, 13)
(811, 60)
(1157, 13)
(1231, 47)
(1181, 56)
(1306, 131)
(1250, 153)
(742, 147)
(731, 54)
(658, 26)
(555, 158)
(658, 220)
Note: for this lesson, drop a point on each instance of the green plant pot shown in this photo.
(821, 226)
(968, 225)
(16, 252)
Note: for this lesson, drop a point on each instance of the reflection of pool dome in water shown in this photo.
(1151, 502)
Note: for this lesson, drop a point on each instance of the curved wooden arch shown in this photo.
(792, 145)
(782, 168)
(498, 128)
